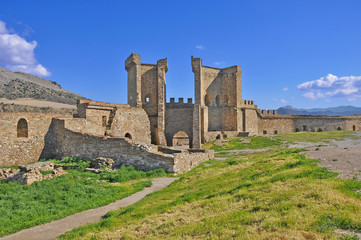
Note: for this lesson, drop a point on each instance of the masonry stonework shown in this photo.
(145, 132)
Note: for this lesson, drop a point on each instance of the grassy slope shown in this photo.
(23, 206)
(277, 194)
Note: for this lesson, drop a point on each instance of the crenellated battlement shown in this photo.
(180, 101)
(248, 102)
(268, 112)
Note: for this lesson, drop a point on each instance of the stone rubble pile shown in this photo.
(30, 173)
(100, 164)
(100, 161)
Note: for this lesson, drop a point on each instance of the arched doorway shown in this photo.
(22, 128)
(353, 128)
(127, 135)
(339, 128)
(180, 139)
(207, 100)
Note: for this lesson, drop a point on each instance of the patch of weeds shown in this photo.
(46, 172)
(352, 188)
(24, 206)
(326, 223)
(255, 142)
(231, 162)
(126, 173)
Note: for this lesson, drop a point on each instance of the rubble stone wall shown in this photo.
(16, 150)
(123, 151)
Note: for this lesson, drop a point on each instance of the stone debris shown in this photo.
(30, 173)
(93, 170)
(41, 166)
(101, 161)
(8, 172)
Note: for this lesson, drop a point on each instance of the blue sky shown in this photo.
(282, 46)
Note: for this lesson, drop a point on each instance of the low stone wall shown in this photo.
(189, 159)
(123, 151)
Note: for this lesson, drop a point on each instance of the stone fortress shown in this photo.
(148, 131)
(218, 110)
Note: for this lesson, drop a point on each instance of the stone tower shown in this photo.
(146, 89)
(218, 92)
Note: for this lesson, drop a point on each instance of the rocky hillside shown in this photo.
(15, 85)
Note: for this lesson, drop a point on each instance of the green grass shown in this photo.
(23, 206)
(238, 143)
(278, 194)
(314, 136)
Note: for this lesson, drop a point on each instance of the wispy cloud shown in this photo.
(284, 101)
(219, 63)
(332, 86)
(200, 47)
(17, 54)
(285, 89)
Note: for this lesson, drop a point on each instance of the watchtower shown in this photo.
(146, 89)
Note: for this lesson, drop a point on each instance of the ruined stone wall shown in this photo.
(116, 120)
(133, 121)
(275, 126)
(179, 117)
(124, 151)
(320, 123)
(251, 119)
(16, 150)
(272, 123)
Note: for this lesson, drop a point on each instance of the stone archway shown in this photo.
(22, 128)
(180, 139)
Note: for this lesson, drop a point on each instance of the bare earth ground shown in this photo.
(342, 156)
(56, 228)
(36, 103)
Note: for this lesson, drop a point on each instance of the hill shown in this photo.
(332, 111)
(255, 188)
(14, 85)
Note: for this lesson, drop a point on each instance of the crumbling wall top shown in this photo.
(132, 60)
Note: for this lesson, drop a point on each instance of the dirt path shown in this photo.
(56, 228)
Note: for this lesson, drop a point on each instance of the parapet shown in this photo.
(180, 104)
(248, 102)
(132, 60)
(269, 112)
(163, 63)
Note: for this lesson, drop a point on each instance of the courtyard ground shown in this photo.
(256, 188)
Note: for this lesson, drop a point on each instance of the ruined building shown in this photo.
(218, 110)
(142, 132)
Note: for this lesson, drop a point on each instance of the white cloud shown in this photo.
(3, 27)
(200, 47)
(219, 63)
(285, 89)
(332, 86)
(17, 54)
(36, 69)
(283, 101)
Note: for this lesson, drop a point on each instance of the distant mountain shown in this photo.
(15, 85)
(332, 111)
